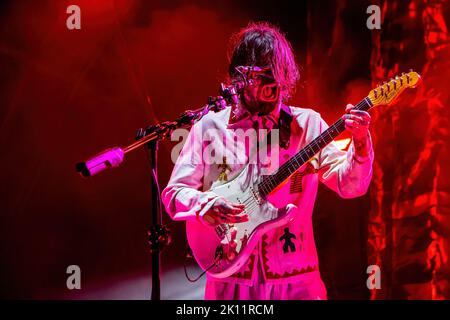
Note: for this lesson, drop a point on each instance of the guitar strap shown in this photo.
(284, 125)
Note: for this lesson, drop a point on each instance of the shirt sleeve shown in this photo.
(183, 198)
(343, 171)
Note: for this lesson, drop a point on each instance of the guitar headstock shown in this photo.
(389, 91)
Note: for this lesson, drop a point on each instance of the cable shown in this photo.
(189, 254)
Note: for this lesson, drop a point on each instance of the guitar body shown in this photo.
(223, 250)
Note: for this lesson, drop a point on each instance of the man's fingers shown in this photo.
(349, 128)
(229, 208)
(349, 107)
(233, 206)
(361, 113)
(352, 126)
(235, 211)
(242, 219)
(350, 123)
(227, 218)
(229, 212)
(358, 120)
(237, 218)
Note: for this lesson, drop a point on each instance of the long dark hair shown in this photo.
(262, 44)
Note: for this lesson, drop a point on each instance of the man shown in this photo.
(284, 264)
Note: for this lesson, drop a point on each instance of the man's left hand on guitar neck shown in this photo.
(357, 122)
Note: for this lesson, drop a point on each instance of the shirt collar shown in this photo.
(241, 118)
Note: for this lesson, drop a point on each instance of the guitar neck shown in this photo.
(271, 182)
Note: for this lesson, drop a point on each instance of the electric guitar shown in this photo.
(216, 249)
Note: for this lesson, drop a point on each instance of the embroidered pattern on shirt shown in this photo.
(288, 245)
(297, 178)
(225, 169)
(271, 275)
(247, 270)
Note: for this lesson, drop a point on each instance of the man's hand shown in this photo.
(224, 211)
(357, 122)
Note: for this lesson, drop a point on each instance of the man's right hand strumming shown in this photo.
(224, 211)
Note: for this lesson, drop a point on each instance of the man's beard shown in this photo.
(258, 107)
(257, 103)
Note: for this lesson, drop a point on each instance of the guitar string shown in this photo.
(249, 211)
(251, 204)
(305, 151)
(285, 169)
(269, 182)
(250, 201)
(265, 184)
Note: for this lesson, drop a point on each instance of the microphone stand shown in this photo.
(158, 234)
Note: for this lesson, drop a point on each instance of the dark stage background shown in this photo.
(67, 94)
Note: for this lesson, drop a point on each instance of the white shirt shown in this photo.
(187, 197)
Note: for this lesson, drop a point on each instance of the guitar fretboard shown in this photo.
(269, 183)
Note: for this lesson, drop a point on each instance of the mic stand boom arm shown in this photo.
(113, 157)
(158, 234)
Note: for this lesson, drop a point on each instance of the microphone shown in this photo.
(113, 157)
(268, 91)
(107, 159)
(231, 92)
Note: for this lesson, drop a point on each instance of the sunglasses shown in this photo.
(254, 75)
